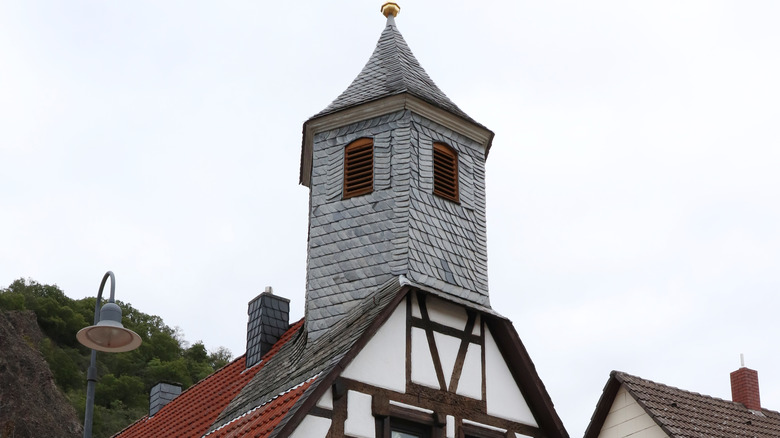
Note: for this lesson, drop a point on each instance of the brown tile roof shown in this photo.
(191, 414)
(685, 414)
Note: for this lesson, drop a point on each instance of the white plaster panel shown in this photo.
(504, 398)
(382, 362)
(326, 401)
(423, 371)
(477, 330)
(520, 435)
(627, 418)
(470, 383)
(446, 313)
(450, 426)
(312, 427)
(360, 421)
(448, 352)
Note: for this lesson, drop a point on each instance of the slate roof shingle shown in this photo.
(686, 414)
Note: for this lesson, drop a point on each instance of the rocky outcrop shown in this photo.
(31, 405)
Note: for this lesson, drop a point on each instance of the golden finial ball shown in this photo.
(390, 8)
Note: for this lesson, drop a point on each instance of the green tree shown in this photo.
(124, 379)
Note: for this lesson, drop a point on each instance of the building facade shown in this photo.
(398, 338)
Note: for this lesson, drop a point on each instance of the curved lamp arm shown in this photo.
(107, 334)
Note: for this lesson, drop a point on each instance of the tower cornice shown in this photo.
(382, 106)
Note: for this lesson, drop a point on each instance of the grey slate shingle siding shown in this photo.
(400, 228)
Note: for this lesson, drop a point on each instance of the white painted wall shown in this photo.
(504, 398)
(627, 418)
(450, 432)
(312, 427)
(326, 401)
(423, 371)
(360, 421)
(446, 313)
(382, 362)
(448, 347)
(470, 383)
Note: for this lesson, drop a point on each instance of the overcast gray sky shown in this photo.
(633, 182)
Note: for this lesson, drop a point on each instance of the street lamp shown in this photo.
(107, 335)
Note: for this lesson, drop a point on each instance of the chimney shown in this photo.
(162, 394)
(269, 318)
(744, 387)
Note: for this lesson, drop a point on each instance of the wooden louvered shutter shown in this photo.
(445, 172)
(359, 167)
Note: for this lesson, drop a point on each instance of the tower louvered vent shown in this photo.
(445, 172)
(359, 167)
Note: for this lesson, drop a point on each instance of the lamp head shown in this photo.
(109, 334)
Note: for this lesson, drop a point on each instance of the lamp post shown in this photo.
(107, 334)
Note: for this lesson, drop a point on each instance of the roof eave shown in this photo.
(524, 372)
(379, 107)
(603, 406)
(308, 401)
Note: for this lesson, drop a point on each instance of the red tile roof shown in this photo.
(191, 414)
(260, 422)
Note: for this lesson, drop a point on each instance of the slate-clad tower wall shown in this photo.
(447, 241)
(401, 227)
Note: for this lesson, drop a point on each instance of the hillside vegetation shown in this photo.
(124, 379)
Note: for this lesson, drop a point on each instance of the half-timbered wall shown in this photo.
(432, 363)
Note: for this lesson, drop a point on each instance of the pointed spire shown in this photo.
(391, 70)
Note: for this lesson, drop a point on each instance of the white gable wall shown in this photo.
(448, 347)
(626, 418)
(470, 383)
(423, 370)
(446, 313)
(503, 396)
(382, 362)
(360, 421)
(326, 401)
(312, 427)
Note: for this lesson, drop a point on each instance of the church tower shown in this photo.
(398, 338)
(396, 173)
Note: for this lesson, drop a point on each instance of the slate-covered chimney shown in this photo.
(269, 318)
(162, 394)
(744, 388)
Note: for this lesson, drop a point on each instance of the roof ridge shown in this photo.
(620, 375)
